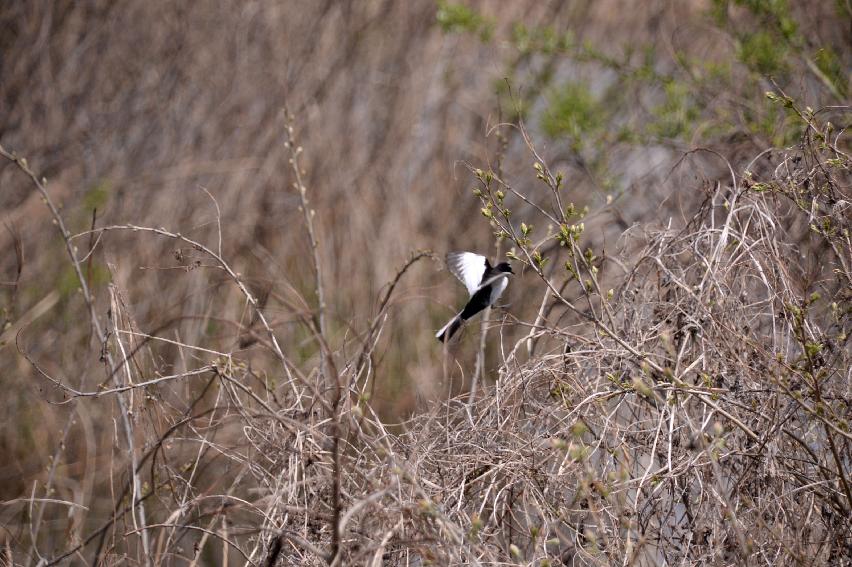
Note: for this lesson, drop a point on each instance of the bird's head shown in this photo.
(504, 267)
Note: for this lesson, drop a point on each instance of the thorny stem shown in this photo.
(327, 367)
(309, 214)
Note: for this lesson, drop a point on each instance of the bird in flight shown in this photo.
(484, 283)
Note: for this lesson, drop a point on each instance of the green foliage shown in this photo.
(574, 113)
(762, 52)
(774, 122)
(544, 39)
(68, 283)
(765, 44)
(516, 105)
(456, 18)
(677, 114)
(96, 197)
(711, 96)
(772, 13)
(832, 68)
(212, 328)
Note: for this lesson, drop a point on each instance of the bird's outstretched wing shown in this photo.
(468, 268)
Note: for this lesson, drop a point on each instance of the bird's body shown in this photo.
(484, 283)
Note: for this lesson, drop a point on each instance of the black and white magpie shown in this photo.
(484, 283)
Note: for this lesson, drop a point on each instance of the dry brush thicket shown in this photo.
(697, 412)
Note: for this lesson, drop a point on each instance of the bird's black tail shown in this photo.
(449, 329)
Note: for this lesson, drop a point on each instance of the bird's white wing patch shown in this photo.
(468, 268)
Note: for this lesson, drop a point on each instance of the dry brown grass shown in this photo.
(697, 413)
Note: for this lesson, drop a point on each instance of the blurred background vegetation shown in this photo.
(134, 111)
